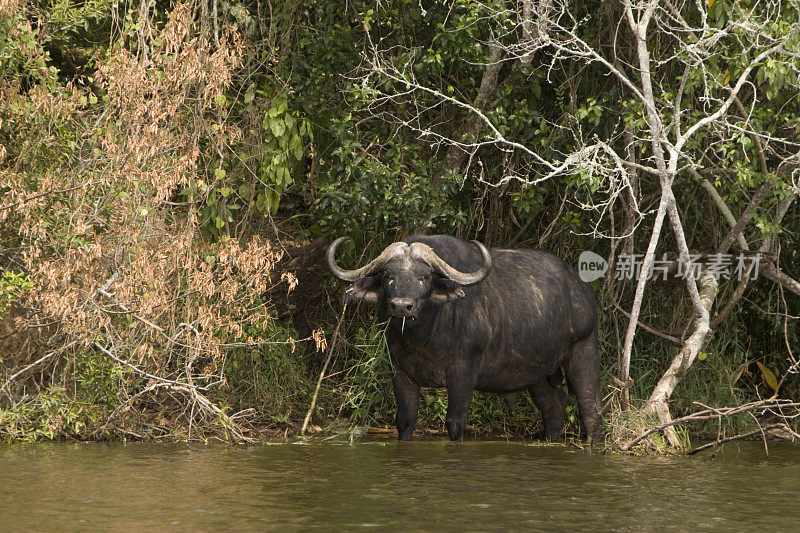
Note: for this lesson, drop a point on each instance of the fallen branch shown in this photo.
(718, 413)
(193, 391)
(719, 441)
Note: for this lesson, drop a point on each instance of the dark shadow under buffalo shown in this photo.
(468, 318)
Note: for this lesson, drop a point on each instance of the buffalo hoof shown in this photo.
(455, 430)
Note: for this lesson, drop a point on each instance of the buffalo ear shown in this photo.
(445, 290)
(368, 289)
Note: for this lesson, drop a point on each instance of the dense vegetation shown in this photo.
(171, 171)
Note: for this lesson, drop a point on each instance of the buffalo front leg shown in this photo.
(406, 394)
(460, 388)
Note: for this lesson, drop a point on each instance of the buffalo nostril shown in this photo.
(403, 304)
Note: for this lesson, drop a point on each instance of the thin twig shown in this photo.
(670, 338)
(35, 363)
(717, 442)
(35, 196)
(142, 372)
(324, 368)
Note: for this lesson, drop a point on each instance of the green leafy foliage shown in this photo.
(361, 193)
(12, 284)
(77, 412)
(272, 378)
(367, 391)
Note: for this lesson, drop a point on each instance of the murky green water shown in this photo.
(413, 486)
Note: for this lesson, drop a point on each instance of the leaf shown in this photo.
(769, 376)
(260, 202)
(277, 126)
(273, 199)
(296, 147)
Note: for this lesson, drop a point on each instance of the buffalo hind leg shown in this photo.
(552, 402)
(583, 369)
(460, 387)
(406, 394)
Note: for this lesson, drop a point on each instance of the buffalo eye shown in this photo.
(426, 277)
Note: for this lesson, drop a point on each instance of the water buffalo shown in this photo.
(467, 318)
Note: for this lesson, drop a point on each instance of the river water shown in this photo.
(417, 486)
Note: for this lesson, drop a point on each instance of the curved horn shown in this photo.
(462, 278)
(367, 270)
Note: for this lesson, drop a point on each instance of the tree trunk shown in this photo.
(659, 399)
(456, 156)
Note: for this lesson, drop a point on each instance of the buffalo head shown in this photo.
(404, 277)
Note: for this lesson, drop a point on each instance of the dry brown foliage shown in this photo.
(120, 267)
